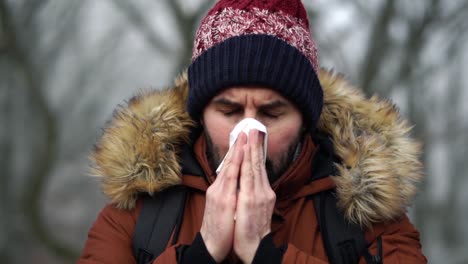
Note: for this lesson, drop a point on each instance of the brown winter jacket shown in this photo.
(378, 170)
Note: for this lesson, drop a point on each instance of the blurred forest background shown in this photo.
(65, 65)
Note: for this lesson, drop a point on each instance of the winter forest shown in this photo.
(65, 65)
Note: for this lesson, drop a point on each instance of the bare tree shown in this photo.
(15, 49)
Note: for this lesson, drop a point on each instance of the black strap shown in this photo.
(344, 241)
(156, 221)
(375, 259)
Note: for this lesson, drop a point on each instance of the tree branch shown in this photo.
(129, 9)
(378, 47)
(6, 158)
(458, 14)
(186, 24)
(30, 9)
(414, 43)
(362, 8)
(455, 134)
(91, 64)
(6, 148)
(67, 28)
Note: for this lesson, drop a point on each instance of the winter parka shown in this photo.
(377, 167)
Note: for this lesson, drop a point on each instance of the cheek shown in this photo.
(282, 136)
(279, 142)
(218, 129)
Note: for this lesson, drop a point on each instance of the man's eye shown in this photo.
(271, 114)
(230, 112)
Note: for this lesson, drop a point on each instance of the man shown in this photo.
(257, 59)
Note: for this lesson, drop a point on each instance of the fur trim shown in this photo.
(379, 167)
(138, 150)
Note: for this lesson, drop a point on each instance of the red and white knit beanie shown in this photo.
(256, 42)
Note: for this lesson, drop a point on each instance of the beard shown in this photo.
(274, 169)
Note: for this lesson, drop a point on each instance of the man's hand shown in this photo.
(255, 201)
(217, 228)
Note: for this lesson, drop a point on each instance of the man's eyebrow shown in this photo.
(225, 102)
(274, 104)
(270, 105)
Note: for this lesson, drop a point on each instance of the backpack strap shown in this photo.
(161, 214)
(156, 221)
(344, 241)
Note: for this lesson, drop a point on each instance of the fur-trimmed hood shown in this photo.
(379, 168)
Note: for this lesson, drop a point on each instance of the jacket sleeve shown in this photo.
(110, 239)
(400, 244)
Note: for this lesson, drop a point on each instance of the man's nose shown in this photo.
(250, 113)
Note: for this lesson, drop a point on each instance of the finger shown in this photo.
(264, 179)
(246, 176)
(226, 161)
(232, 165)
(257, 156)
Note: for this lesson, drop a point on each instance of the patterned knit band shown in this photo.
(261, 43)
(232, 22)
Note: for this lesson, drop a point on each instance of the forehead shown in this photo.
(257, 93)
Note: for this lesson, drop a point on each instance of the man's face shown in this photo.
(281, 118)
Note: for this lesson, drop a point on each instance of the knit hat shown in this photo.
(256, 42)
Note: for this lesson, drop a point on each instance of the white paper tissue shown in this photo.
(245, 126)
